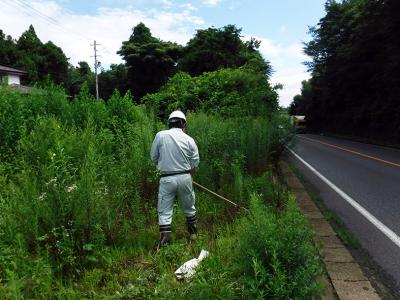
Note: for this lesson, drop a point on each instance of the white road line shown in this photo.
(378, 224)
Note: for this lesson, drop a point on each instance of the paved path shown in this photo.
(345, 275)
(361, 183)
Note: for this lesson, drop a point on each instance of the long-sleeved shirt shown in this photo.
(174, 151)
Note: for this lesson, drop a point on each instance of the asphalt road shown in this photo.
(367, 174)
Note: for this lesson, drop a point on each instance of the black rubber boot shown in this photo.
(165, 235)
(165, 239)
(191, 227)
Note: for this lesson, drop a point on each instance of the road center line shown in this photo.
(354, 152)
(378, 224)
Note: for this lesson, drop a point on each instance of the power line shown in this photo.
(31, 11)
(57, 23)
(50, 20)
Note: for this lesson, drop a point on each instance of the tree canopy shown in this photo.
(211, 49)
(41, 61)
(236, 92)
(355, 84)
(8, 49)
(150, 61)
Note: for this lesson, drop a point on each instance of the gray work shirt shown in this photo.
(174, 151)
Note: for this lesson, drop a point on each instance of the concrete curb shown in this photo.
(345, 275)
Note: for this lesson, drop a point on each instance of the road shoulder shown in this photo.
(345, 276)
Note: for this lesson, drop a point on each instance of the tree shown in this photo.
(8, 50)
(41, 61)
(299, 103)
(53, 63)
(29, 47)
(77, 76)
(355, 84)
(150, 61)
(113, 79)
(211, 49)
(235, 92)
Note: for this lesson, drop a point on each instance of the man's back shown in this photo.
(174, 151)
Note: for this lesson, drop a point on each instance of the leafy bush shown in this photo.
(226, 92)
(264, 255)
(276, 253)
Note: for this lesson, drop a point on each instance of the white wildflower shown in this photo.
(72, 188)
(52, 181)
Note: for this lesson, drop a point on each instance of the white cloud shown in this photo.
(108, 26)
(291, 78)
(188, 6)
(211, 3)
(286, 60)
(167, 3)
(269, 48)
(275, 51)
(295, 50)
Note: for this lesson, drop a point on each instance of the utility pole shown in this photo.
(96, 65)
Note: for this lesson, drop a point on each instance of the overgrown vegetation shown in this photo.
(237, 92)
(78, 208)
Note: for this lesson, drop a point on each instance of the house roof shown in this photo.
(8, 70)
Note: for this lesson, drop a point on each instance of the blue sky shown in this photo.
(281, 26)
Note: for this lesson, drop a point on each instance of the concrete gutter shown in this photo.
(345, 275)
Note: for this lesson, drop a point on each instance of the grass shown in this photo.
(78, 212)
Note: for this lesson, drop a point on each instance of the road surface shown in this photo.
(361, 184)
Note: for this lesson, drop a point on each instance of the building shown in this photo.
(11, 76)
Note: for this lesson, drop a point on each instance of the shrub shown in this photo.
(276, 253)
(267, 254)
(226, 92)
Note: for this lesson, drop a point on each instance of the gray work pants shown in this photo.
(170, 186)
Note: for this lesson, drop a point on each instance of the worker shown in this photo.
(177, 157)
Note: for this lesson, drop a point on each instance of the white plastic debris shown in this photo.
(188, 269)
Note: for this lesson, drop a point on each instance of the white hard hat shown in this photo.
(177, 114)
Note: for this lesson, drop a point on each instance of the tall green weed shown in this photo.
(76, 181)
(231, 149)
(76, 175)
(276, 253)
(267, 254)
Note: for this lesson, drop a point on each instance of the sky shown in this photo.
(280, 25)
